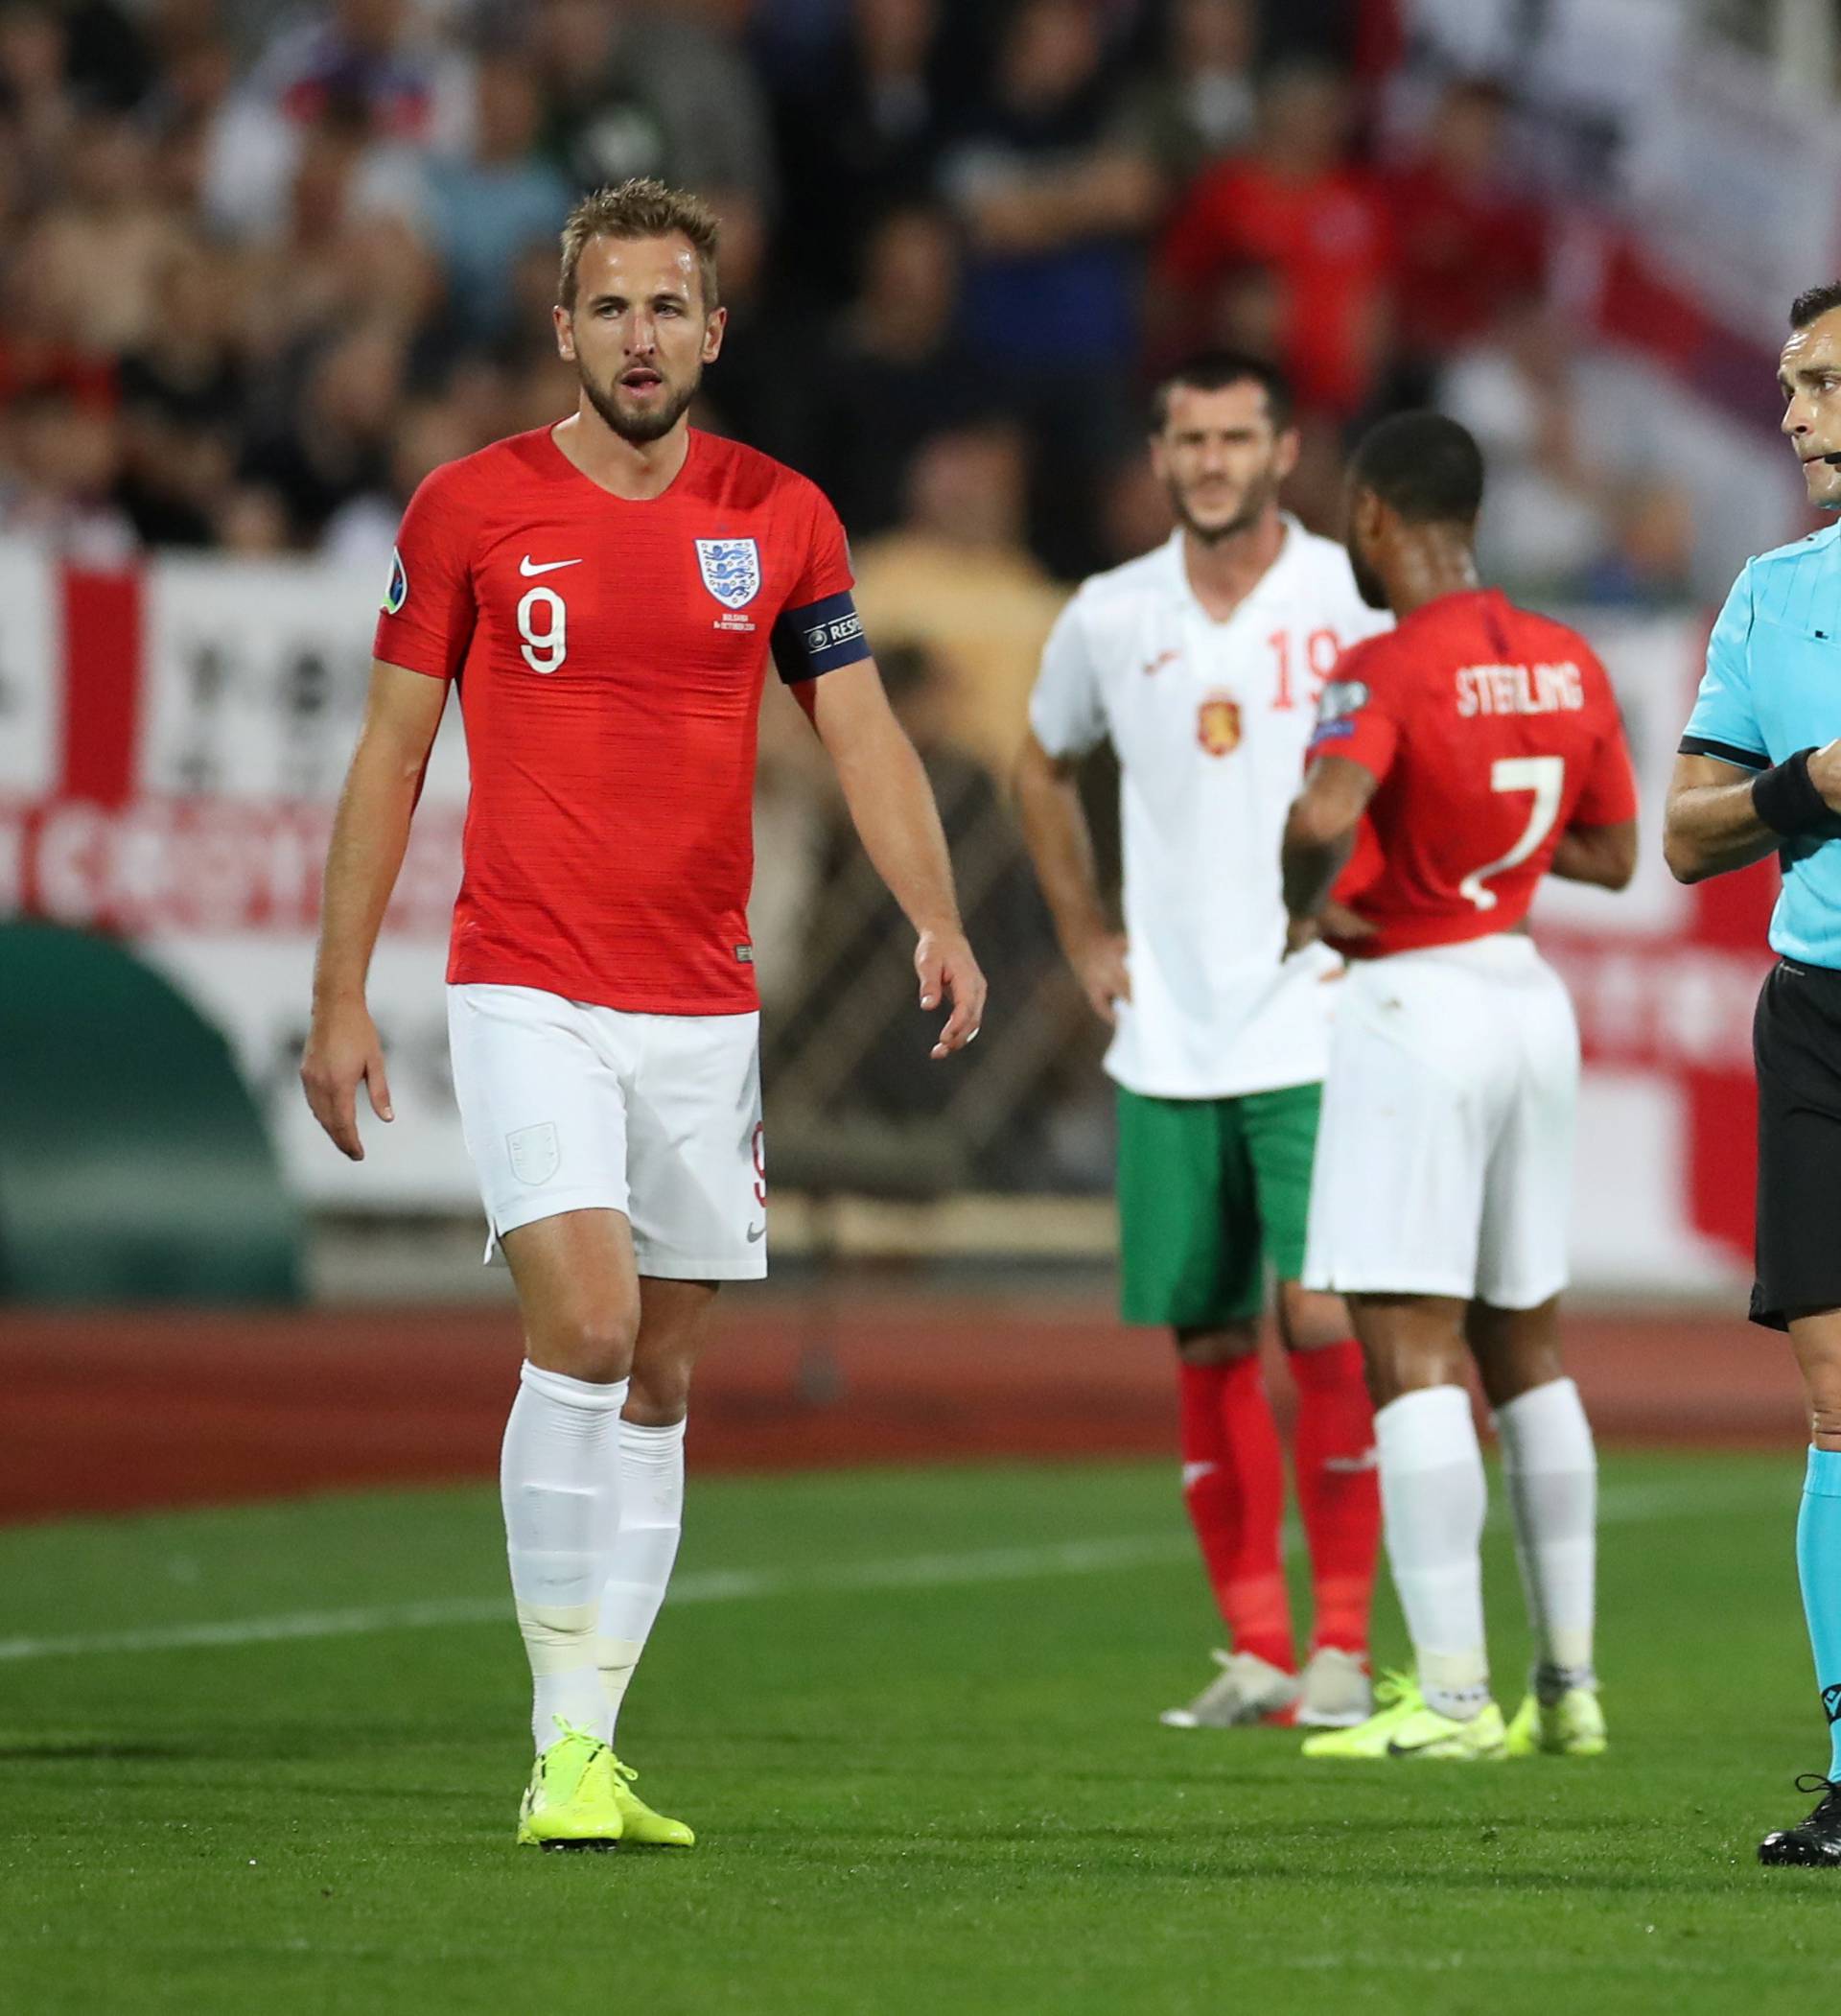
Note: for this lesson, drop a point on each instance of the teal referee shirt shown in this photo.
(1772, 687)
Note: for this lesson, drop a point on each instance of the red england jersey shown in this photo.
(1489, 731)
(610, 657)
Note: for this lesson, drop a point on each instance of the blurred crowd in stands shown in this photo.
(263, 267)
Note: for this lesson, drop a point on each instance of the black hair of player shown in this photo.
(1426, 466)
(1814, 302)
(1214, 371)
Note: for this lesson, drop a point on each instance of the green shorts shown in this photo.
(1211, 1192)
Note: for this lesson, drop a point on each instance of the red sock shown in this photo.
(1339, 1489)
(1234, 1483)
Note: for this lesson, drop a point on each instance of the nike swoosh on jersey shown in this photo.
(529, 566)
(756, 1232)
(1195, 1472)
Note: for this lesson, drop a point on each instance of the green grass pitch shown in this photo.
(914, 1717)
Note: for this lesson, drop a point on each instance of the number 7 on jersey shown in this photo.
(1545, 777)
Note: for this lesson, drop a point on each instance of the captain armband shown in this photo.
(818, 638)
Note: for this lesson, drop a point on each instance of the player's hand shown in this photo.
(342, 1050)
(1338, 922)
(1825, 774)
(1301, 932)
(1104, 977)
(944, 962)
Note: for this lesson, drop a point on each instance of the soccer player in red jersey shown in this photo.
(606, 593)
(1481, 745)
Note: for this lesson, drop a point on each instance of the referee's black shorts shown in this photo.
(1796, 1042)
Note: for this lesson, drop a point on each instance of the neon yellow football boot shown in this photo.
(639, 1823)
(1571, 1726)
(1403, 1726)
(570, 1802)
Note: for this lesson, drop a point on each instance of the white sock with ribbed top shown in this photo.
(559, 1485)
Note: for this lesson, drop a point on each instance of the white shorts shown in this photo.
(569, 1108)
(1444, 1156)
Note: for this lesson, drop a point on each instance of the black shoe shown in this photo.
(1815, 1843)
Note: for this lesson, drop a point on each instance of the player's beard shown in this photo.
(640, 428)
(1255, 500)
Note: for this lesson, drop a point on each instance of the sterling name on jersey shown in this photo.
(1210, 722)
(610, 654)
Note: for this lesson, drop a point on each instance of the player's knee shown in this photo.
(595, 1344)
(1220, 1343)
(658, 1396)
(1308, 1319)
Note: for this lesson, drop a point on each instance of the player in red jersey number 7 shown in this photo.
(1483, 746)
(606, 593)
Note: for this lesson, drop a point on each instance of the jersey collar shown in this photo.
(1177, 574)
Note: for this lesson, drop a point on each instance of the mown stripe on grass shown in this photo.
(1624, 1505)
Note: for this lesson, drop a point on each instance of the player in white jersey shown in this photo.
(1201, 664)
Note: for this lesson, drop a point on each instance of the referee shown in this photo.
(1760, 772)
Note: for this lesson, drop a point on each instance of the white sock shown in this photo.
(1433, 1500)
(559, 1485)
(1551, 1471)
(639, 1562)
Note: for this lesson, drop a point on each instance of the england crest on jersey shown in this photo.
(730, 570)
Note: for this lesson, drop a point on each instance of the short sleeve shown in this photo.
(1724, 722)
(826, 571)
(819, 630)
(1355, 717)
(427, 620)
(1067, 713)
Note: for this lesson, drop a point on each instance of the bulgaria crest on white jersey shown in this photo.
(730, 570)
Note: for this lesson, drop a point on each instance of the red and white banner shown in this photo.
(172, 743)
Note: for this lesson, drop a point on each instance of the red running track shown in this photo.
(107, 1411)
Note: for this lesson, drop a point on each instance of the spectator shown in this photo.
(956, 579)
(1200, 104)
(486, 211)
(427, 432)
(65, 457)
(1050, 188)
(362, 66)
(896, 372)
(336, 446)
(1470, 245)
(107, 223)
(37, 353)
(1650, 564)
(34, 101)
(182, 394)
(859, 133)
(1296, 205)
(631, 94)
(1548, 513)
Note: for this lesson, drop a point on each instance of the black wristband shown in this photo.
(1787, 800)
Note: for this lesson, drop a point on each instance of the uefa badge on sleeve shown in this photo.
(398, 592)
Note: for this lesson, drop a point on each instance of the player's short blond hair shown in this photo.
(642, 208)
